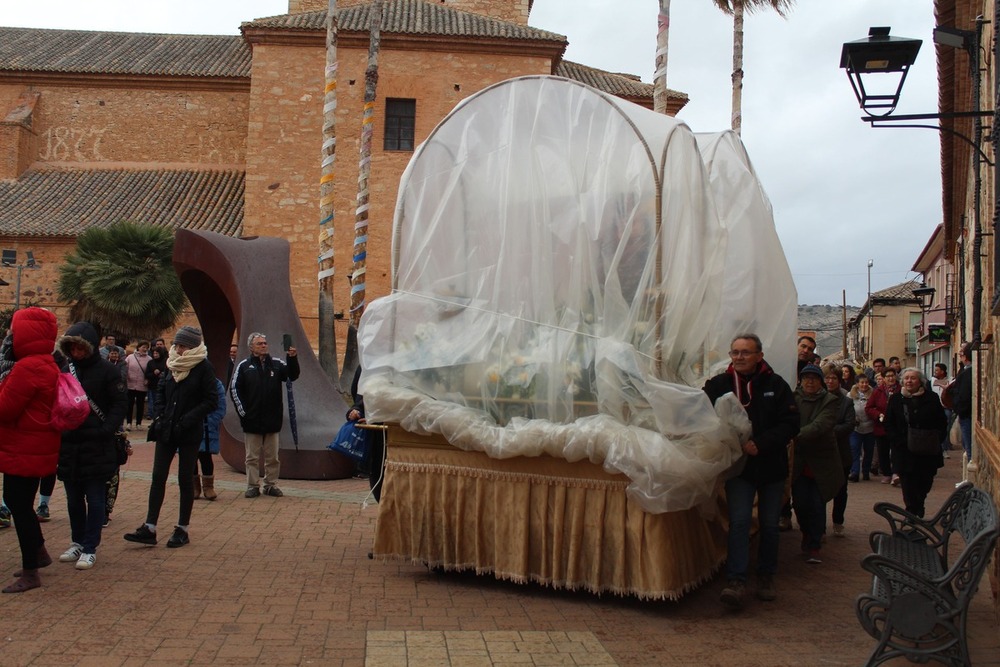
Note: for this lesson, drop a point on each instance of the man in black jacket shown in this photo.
(256, 392)
(770, 405)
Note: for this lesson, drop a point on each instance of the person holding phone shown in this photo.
(256, 392)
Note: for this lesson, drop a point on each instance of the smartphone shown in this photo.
(286, 341)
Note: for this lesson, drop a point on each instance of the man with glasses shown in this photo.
(256, 391)
(770, 405)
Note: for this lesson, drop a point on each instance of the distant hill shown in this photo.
(827, 322)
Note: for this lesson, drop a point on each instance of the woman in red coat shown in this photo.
(29, 447)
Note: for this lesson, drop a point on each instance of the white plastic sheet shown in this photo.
(561, 273)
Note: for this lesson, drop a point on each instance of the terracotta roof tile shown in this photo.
(620, 85)
(79, 51)
(65, 202)
(900, 292)
(414, 17)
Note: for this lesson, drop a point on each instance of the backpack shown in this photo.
(71, 407)
(948, 396)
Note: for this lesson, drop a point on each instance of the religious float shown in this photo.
(568, 269)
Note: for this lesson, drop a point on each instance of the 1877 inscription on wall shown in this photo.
(69, 144)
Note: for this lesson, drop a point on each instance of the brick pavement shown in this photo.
(287, 581)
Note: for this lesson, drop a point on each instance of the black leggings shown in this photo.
(187, 460)
(207, 464)
(19, 496)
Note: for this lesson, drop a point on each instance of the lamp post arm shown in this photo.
(876, 122)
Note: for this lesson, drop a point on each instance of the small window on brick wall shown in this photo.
(400, 119)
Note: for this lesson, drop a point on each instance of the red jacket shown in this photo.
(877, 404)
(28, 445)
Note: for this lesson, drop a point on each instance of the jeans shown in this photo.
(85, 502)
(739, 497)
(862, 450)
(19, 496)
(965, 424)
(150, 403)
(810, 510)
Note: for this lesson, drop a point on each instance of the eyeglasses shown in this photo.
(741, 354)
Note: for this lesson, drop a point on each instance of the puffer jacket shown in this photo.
(29, 447)
(182, 407)
(210, 441)
(922, 410)
(88, 452)
(256, 389)
(136, 364)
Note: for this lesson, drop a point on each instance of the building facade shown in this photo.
(224, 133)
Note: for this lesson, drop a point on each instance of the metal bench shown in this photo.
(919, 602)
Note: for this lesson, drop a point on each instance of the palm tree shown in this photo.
(736, 9)
(121, 278)
(327, 334)
(660, 75)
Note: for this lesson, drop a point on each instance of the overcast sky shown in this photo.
(842, 192)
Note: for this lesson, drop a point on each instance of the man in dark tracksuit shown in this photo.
(256, 391)
(770, 405)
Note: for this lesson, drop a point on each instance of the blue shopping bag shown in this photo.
(351, 441)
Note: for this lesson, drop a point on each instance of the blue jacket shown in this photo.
(210, 441)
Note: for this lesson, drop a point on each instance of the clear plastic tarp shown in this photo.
(569, 268)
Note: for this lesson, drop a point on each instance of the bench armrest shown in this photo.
(911, 526)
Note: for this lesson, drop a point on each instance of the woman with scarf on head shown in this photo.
(185, 397)
(29, 447)
(88, 460)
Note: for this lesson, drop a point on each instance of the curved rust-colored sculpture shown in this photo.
(241, 285)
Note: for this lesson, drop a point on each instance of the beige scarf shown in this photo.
(181, 364)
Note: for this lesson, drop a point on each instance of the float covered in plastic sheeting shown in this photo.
(559, 272)
(758, 294)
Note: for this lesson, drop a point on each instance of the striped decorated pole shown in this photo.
(327, 334)
(365, 167)
(660, 75)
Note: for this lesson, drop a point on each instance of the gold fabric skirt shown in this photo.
(540, 519)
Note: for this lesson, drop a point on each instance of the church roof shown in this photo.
(66, 202)
(621, 85)
(89, 52)
(410, 17)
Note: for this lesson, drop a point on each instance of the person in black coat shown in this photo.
(256, 389)
(87, 457)
(915, 407)
(185, 397)
(771, 408)
(156, 368)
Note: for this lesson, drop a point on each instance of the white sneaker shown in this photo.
(86, 561)
(71, 554)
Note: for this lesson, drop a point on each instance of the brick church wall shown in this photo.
(514, 11)
(91, 124)
(284, 143)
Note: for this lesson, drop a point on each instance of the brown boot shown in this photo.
(208, 484)
(197, 487)
(29, 579)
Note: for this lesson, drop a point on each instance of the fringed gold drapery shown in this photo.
(541, 519)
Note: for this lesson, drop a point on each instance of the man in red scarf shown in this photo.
(770, 405)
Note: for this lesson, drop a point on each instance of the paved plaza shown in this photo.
(288, 581)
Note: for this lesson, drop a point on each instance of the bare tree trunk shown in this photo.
(365, 167)
(660, 75)
(737, 119)
(327, 333)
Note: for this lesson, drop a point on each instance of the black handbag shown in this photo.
(921, 441)
(123, 448)
(153, 432)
